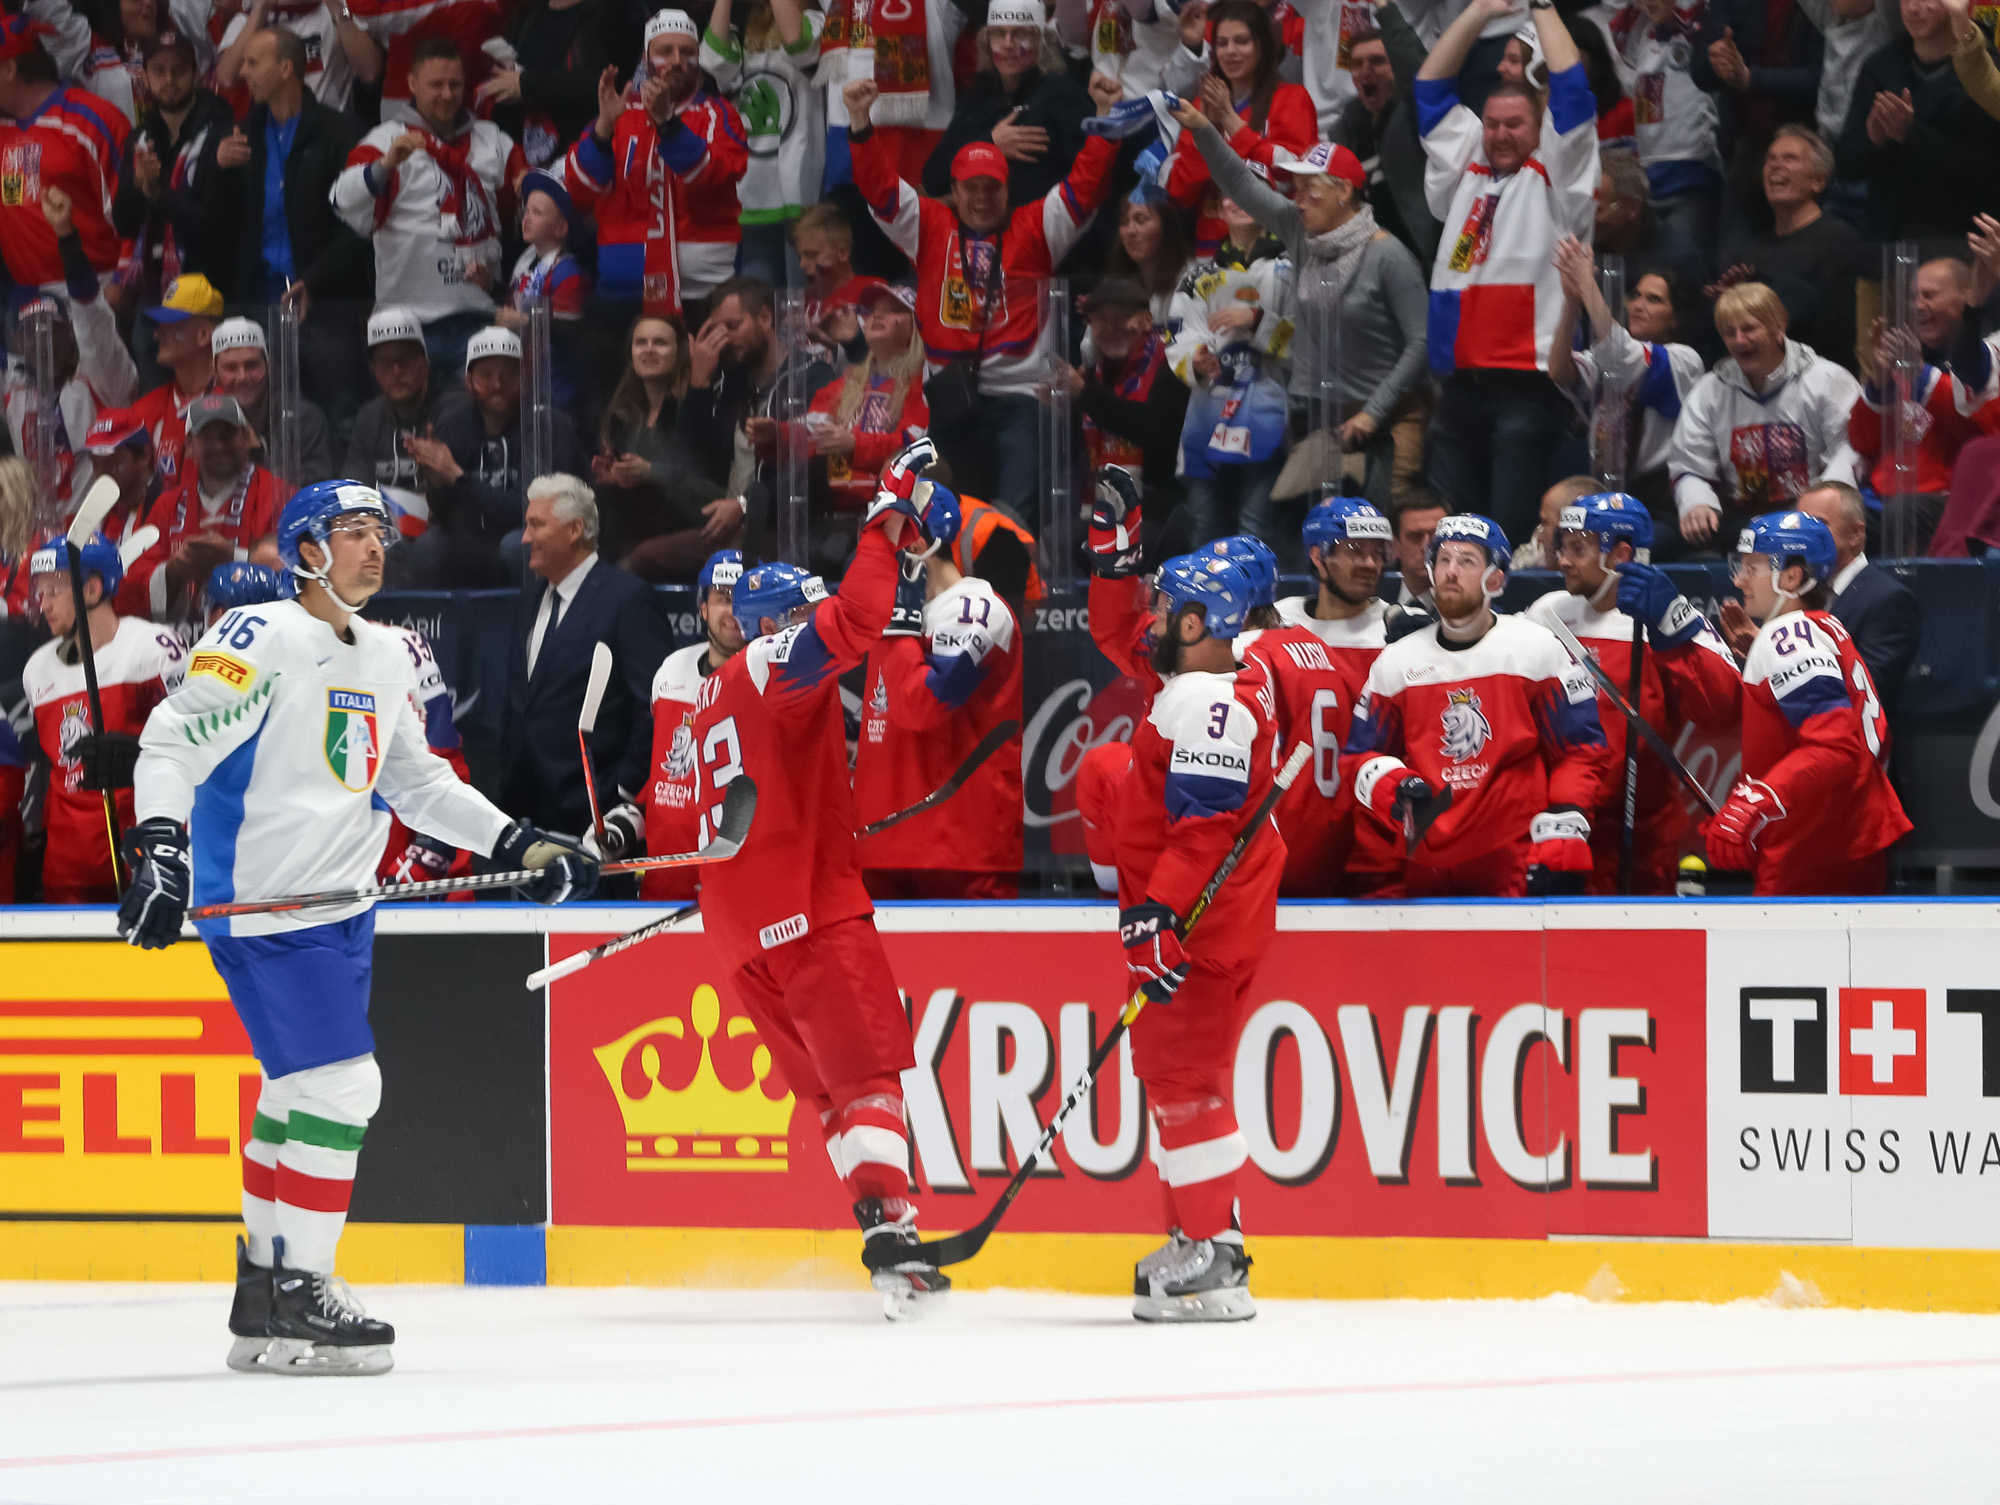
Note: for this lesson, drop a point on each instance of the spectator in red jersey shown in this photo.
(410, 30)
(224, 508)
(1261, 116)
(978, 278)
(121, 447)
(659, 171)
(434, 192)
(184, 323)
(877, 407)
(62, 138)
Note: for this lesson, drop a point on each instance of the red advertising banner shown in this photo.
(1485, 1083)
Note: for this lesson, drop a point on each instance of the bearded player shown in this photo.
(788, 915)
(271, 771)
(1491, 709)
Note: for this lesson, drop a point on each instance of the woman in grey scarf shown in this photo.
(1330, 232)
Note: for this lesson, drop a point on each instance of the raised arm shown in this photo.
(1452, 49)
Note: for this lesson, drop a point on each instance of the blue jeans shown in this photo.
(1235, 499)
(1491, 442)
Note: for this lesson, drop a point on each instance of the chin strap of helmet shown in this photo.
(318, 536)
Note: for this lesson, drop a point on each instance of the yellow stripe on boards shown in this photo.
(370, 1253)
(99, 1027)
(89, 971)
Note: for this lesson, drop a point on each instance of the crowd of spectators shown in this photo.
(1311, 246)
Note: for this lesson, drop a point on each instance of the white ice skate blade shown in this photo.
(1229, 1304)
(298, 1356)
(246, 1355)
(903, 1303)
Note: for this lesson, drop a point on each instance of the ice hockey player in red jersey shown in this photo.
(1201, 763)
(1604, 546)
(1492, 710)
(947, 671)
(137, 665)
(1813, 812)
(788, 916)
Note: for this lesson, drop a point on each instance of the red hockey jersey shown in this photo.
(248, 513)
(135, 672)
(1201, 765)
(649, 195)
(1508, 723)
(1695, 683)
(73, 142)
(773, 712)
(925, 705)
(1815, 733)
(853, 478)
(673, 824)
(164, 412)
(1291, 127)
(1353, 844)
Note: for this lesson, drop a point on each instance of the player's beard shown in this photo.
(1167, 649)
(1326, 578)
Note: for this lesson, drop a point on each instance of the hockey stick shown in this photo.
(586, 723)
(959, 1247)
(1652, 738)
(97, 505)
(739, 805)
(1632, 762)
(989, 744)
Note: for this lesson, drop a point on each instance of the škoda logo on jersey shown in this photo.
(353, 748)
(702, 1124)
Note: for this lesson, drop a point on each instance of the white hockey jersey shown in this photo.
(285, 750)
(1676, 121)
(105, 378)
(1644, 385)
(1759, 451)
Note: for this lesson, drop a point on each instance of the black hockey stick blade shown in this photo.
(1639, 723)
(989, 744)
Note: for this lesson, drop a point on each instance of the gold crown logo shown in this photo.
(704, 1126)
(1458, 697)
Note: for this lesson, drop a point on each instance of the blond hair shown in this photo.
(1753, 301)
(901, 371)
(20, 500)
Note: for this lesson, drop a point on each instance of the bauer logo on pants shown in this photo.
(353, 751)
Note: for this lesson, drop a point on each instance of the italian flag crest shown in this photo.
(353, 750)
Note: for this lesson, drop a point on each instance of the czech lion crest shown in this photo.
(1465, 726)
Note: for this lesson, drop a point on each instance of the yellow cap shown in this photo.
(187, 297)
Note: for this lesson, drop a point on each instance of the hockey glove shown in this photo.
(1401, 621)
(1398, 797)
(153, 908)
(1649, 596)
(1732, 832)
(624, 834)
(107, 759)
(901, 487)
(906, 617)
(424, 861)
(1114, 524)
(1155, 965)
(1559, 855)
(561, 871)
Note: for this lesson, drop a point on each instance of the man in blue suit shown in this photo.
(574, 602)
(1879, 612)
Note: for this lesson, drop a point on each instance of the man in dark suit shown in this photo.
(575, 602)
(268, 182)
(1879, 612)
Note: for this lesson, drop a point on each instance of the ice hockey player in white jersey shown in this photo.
(283, 752)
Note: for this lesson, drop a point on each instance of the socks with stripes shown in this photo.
(298, 1168)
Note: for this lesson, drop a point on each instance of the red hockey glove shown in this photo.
(424, 860)
(1114, 524)
(901, 487)
(1732, 833)
(1559, 857)
(1155, 964)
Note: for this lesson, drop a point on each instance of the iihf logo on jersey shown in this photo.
(1465, 726)
(353, 751)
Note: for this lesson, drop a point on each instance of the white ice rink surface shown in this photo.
(118, 1393)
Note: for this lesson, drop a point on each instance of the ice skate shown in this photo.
(1204, 1280)
(249, 1314)
(908, 1288)
(1145, 1269)
(317, 1327)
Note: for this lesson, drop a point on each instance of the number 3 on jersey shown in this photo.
(721, 761)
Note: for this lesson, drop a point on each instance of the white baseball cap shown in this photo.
(1017, 13)
(490, 341)
(236, 334)
(671, 23)
(386, 325)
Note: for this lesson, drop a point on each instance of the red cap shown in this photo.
(20, 35)
(978, 159)
(114, 429)
(1331, 158)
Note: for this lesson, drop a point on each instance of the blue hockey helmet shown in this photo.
(311, 514)
(1613, 516)
(1258, 562)
(724, 568)
(772, 590)
(1344, 519)
(240, 583)
(99, 555)
(1470, 527)
(1789, 536)
(1223, 588)
(944, 514)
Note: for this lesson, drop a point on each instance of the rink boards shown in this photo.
(1648, 1099)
